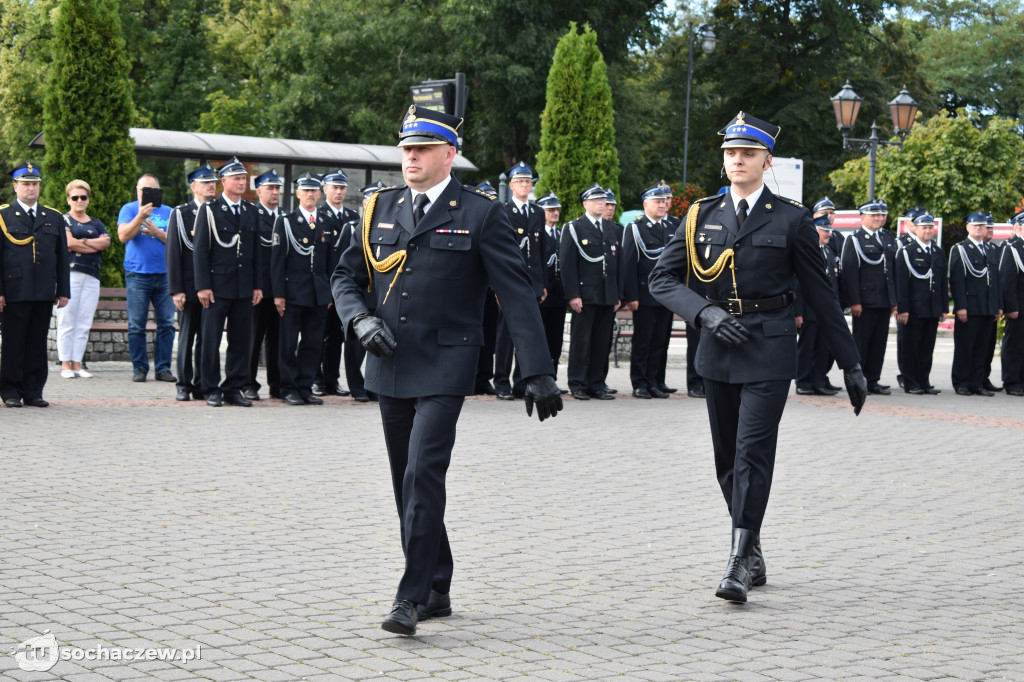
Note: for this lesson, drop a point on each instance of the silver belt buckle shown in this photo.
(737, 310)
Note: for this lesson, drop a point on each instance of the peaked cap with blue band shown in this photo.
(1018, 219)
(925, 219)
(203, 173)
(308, 181)
(823, 223)
(549, 200)
(595, 192)
(747, 131)
(336, 177)
(487, 188)
(27, 172)
(876, 207)
(823, 204)
(979, 218)
(231, 167)
(659, 191)
(270, 178)
(520, 170)
(370, 190)
(425, 126)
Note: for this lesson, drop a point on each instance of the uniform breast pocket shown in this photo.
(383, 243)
(777, 241)
(450, 255)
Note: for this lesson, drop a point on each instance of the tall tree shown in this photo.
(86, 116)
(577, 128)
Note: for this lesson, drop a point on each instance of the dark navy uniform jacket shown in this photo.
(921, 297)
(181, 277)
(233, 271)
(777, 242)
(638, 260)
(595, 283)
(831, 262)
(435, 308)
(40, 277)
(339, 228)
(266, 238)
(297, 278)
(552, 271)
(1011, 274)
(978, 294)
(871, 286)
(528, 232)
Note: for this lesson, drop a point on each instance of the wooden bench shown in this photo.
(622, 315)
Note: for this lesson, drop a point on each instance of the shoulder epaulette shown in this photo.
(479, 192)
(53, 209)
(4, 206)
(789, 201)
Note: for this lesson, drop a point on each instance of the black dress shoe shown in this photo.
(504, 395)
(580, 395)
(438, 606)
(138, 377)
(931, 390)
(697, 392)
(250, 394)
(214, 400)
(963, 391)
(989, 386)
(235, 398)
(758, 572)
(12, 402)
(879, 389)
(641, 393)
(914, 391)
(829, 386)
(312, 400)
(317, 389)
(338, 390)
(804, 391)
(198, 395)
(885, 386)
(602, 395)
(485, 389)
(666, 389)
(822, 390)
(736, 581)
(183, 395)
(360, 397)
(609, 390)
(563, 391)
(899, 380)
(657, 393)
(402, 619)
(293, 398)
(983, 391)
(1016, 390)
(36, 402)
(166, 376)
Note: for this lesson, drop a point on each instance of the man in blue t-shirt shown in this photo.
(143, 229)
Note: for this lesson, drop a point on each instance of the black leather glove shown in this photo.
(543, 391)
(856, 387)
(374, 335)
(723, 326)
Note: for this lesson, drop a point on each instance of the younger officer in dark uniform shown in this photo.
(1011, 284)
(300, 267)
(34, 275)
(868, 289)
(228, 276)
(921, 295)
(339, 226)
(902, 240)
(642, 242)
(589, 258)
(993, 252)
(976, 302)
(265, 319)
(811, 348)
(181, 281)
(748, 246)
(427, 251)
(552, 308)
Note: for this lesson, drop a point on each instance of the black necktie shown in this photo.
(741, 217)
(234, 209)
(418, 208)
(32, 214)
(526, 210)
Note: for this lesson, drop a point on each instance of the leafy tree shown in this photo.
(86, 116)
(952, 165)
(577, 127)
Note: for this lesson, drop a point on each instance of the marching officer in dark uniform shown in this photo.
(921, 295)
(34, 275)
(300, 269)
(228, 276)
(1011, 284)
(589, 259)
(552, 308)
(811, 349)
(427, 251)
(181, 281)
(868, 289)
(976, 301)
(527, 225)
(748, 245)
(265, 318)
(341, 222)
(643, 241)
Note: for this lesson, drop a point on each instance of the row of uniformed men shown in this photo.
(594, 266)
(266, 274)
(876, 275)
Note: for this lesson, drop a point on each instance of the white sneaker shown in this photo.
(67, 374)
(82, 373)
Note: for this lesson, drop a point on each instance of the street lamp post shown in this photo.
(708, 41)
(846, 104)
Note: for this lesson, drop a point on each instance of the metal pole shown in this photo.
(872, 160)
(503, 188)
(689, 77)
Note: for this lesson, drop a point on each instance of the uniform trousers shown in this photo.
(328, 370)
(900, 356)
(990, 350)
(970, 343)
(23, 369)
(744, 433)
(420, 434)
(237, 312)
(553, 319)
(75, 319)
(300, 342)
(265, 333)
(505, 376)
(871, 333)
(354, 355)
(190, 336)
(1013, 353)
(485, 361)
(652, 329)
(693, 378)
(590, 340)
(918, 347)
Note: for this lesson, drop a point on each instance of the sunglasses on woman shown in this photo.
(83, 198)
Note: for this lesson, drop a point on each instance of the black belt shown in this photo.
(746, 306)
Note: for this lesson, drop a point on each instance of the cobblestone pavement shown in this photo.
(587, 547)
